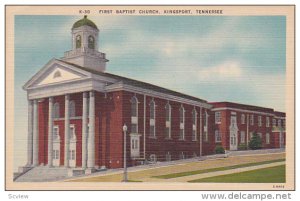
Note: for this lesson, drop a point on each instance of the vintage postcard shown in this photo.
(150, 97)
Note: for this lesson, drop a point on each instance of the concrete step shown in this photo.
(44, 174)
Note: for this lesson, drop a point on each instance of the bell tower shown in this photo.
(85, 46)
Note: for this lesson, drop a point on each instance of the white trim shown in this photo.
(194, 129)
(134, 119)
(218, 134)
(56, 138)
(241, 110)
(218, 118)
(51, 64)
(152, 121)
(169, 123)
(267, 122)
(129, 88)
(182, 124)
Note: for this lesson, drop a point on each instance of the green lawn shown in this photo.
(182, 174)
(265, 175)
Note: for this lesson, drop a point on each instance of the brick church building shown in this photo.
(76, 112)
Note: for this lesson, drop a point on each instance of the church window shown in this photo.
(78, 41)
(182, 119)
(152, 118)
(168, 121)
(134, 115)
(91, 42)
(72, 109)
(56, 110)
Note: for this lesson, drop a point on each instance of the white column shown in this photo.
(84, 128)
(29, 137)
(91, 136)
(35, 135)
(67, 129)
(50, 132)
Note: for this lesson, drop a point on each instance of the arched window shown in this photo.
(78, 41)
(194, 118)
(168, 121)
(182, 118)
(134, 115)
(56, 110)
(152, 118)
(72, 109)
(91, 42)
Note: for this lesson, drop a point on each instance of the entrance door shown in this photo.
(72, 149)
(233, 140)
(56, 154)
(56, 147)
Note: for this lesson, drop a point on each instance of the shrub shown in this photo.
(219, 150)
(255, 142)
(242, 147)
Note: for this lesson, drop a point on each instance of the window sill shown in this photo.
(152, 137)
(168, 138)
(181, 139)
(195, 140)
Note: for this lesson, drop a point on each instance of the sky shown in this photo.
(216, 58)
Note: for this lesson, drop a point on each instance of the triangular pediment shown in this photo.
(57, 75)
(56, 72)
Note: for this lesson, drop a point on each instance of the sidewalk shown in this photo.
(212, 174)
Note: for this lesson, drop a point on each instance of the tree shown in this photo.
(255, 142)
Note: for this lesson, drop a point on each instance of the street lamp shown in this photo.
(125, 159)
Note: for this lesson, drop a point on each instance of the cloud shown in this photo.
(225, 70)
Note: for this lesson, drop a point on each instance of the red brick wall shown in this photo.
(160, 145)
(43, 130)
(225, 123)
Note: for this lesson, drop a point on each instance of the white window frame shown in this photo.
(134, 119)
(243, 118)
(72, 107)
(168, 123)
(243, 137)
(218, 117)
(279, 123)
(252, 119)
(194, 124)
(205, 126)
(218, 136)
(56, 134)
(73, 135)
(259, 121)
(56, 112)
(267, 121)
(182, 124)
(152, 121)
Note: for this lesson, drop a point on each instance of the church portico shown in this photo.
(55, 131)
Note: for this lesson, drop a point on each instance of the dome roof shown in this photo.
(84, 21)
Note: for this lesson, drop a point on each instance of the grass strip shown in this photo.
(183, 174)
(265, 175)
